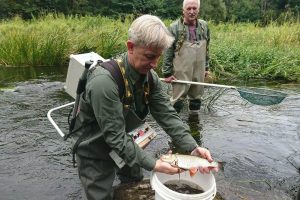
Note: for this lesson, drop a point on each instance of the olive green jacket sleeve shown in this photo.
(167, 68)
(166, 116)
(207, 37)
(104, 98)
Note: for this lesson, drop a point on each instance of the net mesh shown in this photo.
(260, 96)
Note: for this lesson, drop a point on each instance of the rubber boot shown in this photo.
(178, 105)
(195, 105)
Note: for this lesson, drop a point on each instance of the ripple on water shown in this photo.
(260, 145)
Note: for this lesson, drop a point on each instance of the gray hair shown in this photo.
(150, 31)
(186, 1)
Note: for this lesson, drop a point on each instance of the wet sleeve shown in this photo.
(108, 110)
(166, 116)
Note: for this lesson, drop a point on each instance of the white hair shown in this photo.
(150, 31)
(186, 1)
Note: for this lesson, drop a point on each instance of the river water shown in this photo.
(259, 145)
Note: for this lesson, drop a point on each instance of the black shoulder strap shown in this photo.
(114, 69)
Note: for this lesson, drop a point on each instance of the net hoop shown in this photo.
(261, 96)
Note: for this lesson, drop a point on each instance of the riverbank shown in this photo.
(237, 50)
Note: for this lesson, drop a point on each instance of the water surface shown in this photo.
(260, 145)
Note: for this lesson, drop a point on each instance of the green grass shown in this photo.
(241, 51)
(50, 40)
(249, 51)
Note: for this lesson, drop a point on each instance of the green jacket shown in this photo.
(181, 34)
(102, 109)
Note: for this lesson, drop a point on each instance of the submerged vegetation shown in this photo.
(238, 50)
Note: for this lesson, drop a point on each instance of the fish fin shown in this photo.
(221, 166)
(193, 171)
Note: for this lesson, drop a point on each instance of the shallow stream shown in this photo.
(259, 145)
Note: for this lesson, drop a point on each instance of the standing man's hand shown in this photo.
(209, 77)
(170, 79)
(204, 153)
(207, 74)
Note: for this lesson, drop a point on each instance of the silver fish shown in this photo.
(187, 162)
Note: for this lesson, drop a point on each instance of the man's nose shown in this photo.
(153, 65)
(193, 10)
(154, 62)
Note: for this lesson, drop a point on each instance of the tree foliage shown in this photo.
(216, 10)
(213, 10)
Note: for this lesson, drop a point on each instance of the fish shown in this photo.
(188, 162)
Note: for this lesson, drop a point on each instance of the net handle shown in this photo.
(201, 83)
(277, 100)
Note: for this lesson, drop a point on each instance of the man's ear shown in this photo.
(130, 46)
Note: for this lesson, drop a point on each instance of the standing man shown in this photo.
(187, 59)
(101, 121)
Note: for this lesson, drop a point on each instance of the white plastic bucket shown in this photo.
(205, 181)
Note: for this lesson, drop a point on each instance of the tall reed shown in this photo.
(237, 50)
(48, 41)
(249, 51)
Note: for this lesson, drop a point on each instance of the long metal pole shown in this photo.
(200, 83)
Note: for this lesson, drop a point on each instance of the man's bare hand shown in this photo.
(204, 153)
(164, 167)
(170, 79)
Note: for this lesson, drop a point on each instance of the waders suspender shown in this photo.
(125, 94)
(118, 74)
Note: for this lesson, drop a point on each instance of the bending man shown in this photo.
(104, 124)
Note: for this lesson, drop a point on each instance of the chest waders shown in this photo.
(189, 64)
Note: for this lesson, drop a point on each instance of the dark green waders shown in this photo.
(97, 176)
